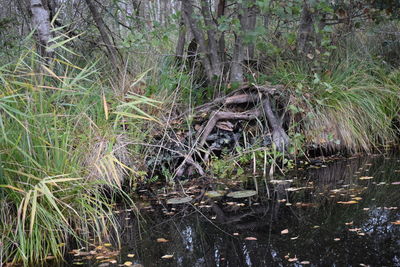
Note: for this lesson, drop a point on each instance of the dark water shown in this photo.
(360, 230)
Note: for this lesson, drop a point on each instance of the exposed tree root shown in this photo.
(247, 103)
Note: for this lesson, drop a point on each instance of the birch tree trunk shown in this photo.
(41, 22)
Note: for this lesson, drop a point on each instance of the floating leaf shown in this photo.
(305, 262)
(396, 222)
(251, 238)
(128, 263)
(167, 256)
(162, 240)
(242, 194)
(284, 232)
(179, 200)
(336, 239)
(294, 238)
(395, 183)
(293, 259)
(131, 255)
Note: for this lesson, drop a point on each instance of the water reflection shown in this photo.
(321, 231)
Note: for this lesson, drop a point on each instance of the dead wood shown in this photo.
(210, 120)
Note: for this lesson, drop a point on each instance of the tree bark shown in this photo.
(251, 28)
(187, 6)
(221, 42)
(180, 47)
(212, 41)
(305, 30)
(41, 22)
(238, 52)
(112, 52)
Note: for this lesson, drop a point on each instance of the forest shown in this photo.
(102, 100)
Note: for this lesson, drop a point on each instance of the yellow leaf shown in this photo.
(347, 202)
(167, 256)
(131, 255)
(128, 263)
(366, 177)
(105, 106)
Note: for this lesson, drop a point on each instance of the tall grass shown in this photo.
(61, 146)
(351, 103)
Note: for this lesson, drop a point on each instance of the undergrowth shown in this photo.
(64, 156)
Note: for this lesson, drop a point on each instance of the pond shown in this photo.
(343, 213)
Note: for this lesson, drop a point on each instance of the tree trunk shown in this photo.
(221, 42)
(306, 30)
(212, 41)
(112, 52)
(187, 6)
(41, 22)
(238, 52)
(180, 47)
(251, 28)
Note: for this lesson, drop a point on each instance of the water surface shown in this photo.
(343, 213)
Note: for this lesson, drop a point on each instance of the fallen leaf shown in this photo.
(293, 259)
(128, 263)
(304, 262)
(167, 257)
(395, 183)
(107, 244)
(347, 202)
(251, 238)
(236, 234)
(294, 238)
(396, 222)
(131, 255)
(366, 178)
(162, 240)
(349, 223)
(336, 239)
(284, 232)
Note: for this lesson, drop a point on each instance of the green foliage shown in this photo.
(61, 147)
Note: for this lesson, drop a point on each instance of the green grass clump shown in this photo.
(61, 147)
(351, 104)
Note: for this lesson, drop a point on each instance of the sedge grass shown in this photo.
(50, 121)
